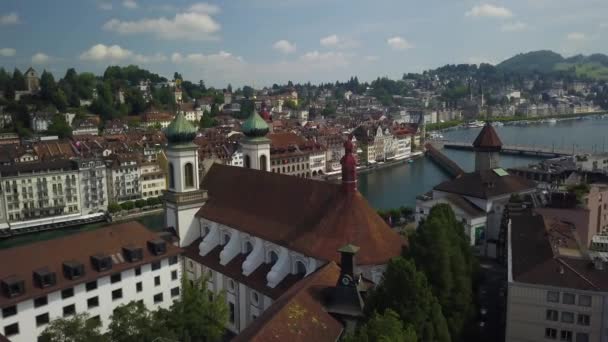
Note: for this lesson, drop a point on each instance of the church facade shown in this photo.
(264, 237)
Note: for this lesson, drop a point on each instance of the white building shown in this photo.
(93, 186)
(40, 121)
(257, 234)
(123, 178)
(237, 158)
(153, 180)
(92, 272)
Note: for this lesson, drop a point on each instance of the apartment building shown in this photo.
(153, 180)
(557, 290)
(123, 177)
(92, 272)
(39, 191)
(93, 185)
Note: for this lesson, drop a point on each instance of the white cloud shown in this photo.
(9, 19)
(40, 58)
(203, 7)
(371, 58)
(115, 53)
(488, 10)
(517, 26)
(189, 26)
(576, 37)
(106, 6)
(7, 52)
(131, 4)
(335, 41)
(398, 43)
(284, 46)
(324, 60)
(331, 40)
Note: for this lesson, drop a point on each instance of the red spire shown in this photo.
(349, 167)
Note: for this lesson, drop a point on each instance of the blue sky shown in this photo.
(259, 42)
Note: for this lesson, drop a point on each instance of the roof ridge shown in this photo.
(560, 260)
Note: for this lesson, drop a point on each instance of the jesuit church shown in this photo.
(295, 256)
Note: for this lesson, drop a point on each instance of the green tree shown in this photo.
(60, 100)
(441, 250)
(114, 207)
(78, 328)
(207, 121)
(384, 328)
(406, 291)
(196, 316)
(48, 87)
(291, 104)
(248, 92)
(134, 322)
(128, 205)
(18, 80)
(60, 127)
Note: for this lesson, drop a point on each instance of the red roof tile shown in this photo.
(312, 217)
(299, 314)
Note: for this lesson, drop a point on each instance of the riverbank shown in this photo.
(127, 216)
(378, 166)
(439, 126)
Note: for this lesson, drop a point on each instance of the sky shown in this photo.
(261, 42)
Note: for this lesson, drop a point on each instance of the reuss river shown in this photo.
(399, 185)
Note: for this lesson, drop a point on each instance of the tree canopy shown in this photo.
(387, 327)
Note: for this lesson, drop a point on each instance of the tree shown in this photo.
(48, 87)
(207, 121)
(291, 104)
(195, 315)
(114, 207)
(18, 80)
(248, 92)
(60, 127)
(140, 203)
(77, 328)
(134, 322)
(406, 291)
(441, 250)
(128, 205)
(384, 328)
(229, 88)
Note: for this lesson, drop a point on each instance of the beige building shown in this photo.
(34, 193)
(557, 290)
(153, 180)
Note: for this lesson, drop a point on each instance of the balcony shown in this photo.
(197, 196)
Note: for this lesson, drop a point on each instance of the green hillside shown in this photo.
(593, 66)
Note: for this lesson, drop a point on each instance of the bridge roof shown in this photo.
(485, 185)
(487, 138)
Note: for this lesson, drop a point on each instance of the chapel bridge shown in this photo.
(540, 151)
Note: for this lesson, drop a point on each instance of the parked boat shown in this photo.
(475, 124)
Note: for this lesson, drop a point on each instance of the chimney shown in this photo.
(347, 264)
(349, 167)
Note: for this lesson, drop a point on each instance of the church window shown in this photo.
(171, 176)
(263, 163)
(189, 175)
(247, 162)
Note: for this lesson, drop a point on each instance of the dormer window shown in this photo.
(133, 253)
(157, 247)
(73, 269)
(101, 262)
(12, 287)
(274, 257)
(44, 278)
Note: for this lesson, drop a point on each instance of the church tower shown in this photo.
(255, 146)
(183, 197)
(487, 148)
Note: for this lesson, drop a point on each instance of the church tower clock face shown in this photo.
(346, 280)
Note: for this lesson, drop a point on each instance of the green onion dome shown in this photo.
(180, 130)
(255, 126)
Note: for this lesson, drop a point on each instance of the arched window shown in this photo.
(247, 162)
(171, 176)
(263, 162)
(273, 257)
(189, 175)
(225, 239)
(300, 268)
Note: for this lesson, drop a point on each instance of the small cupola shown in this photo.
(255, 126)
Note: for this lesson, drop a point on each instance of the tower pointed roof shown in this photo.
(487, 138)
(180, 130)
(255, 126)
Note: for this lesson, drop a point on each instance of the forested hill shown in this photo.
(594, 66)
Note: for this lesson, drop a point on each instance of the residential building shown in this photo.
(40, 121)
(39, 193)
(153, 180)
(84, 127)
(93, 185)
(123, 177)
(93, 272)
(270, 240)
(153, 118)
(193, 111)
(556, 289)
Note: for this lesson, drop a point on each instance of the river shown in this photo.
(399, 185)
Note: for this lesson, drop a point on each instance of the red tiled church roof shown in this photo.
(312, 217)
(299, 315)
